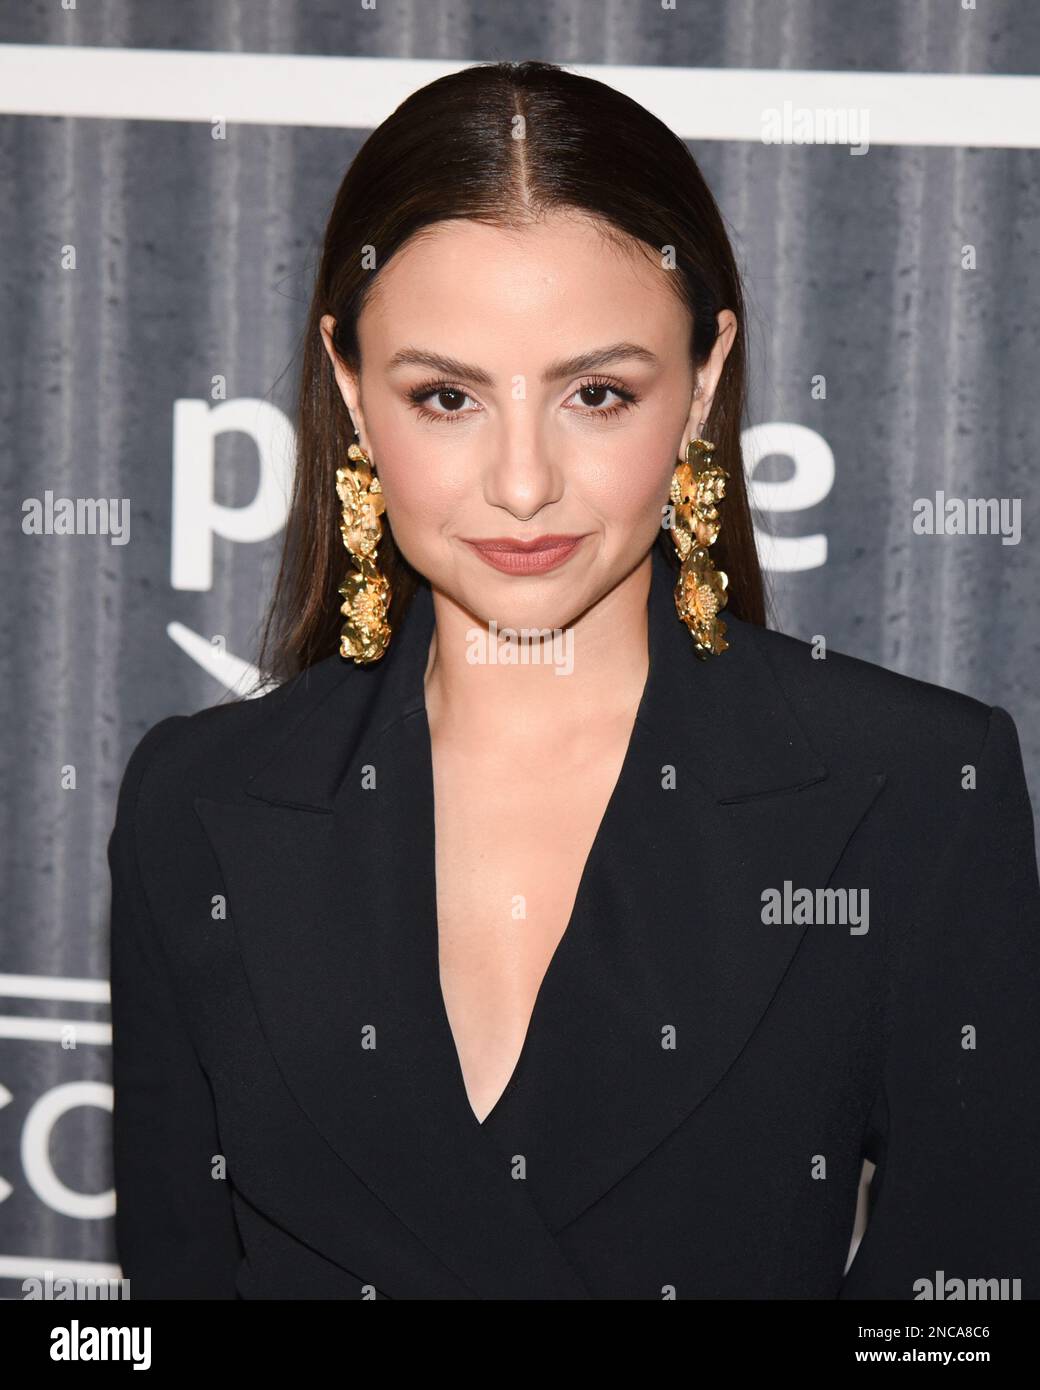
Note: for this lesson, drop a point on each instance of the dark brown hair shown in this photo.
(451, 151)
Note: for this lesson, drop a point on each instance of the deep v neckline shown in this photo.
(574, 921)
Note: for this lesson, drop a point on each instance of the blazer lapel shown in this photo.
(329, 866)
(667, 966)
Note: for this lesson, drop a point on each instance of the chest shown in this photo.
(512, 844)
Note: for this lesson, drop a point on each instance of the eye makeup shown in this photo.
(419, 395)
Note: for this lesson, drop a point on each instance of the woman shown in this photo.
(556, 930)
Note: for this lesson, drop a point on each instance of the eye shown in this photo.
(444, 393)
(592, 393)
(448, 400)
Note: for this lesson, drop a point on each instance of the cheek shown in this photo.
(424, 485)
(624, 478)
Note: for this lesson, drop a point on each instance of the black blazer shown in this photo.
(698, 1087)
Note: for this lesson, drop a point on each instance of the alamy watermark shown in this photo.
(819, 125)
(792, 906)
(969, 516)
(525, 646)
(79, 1343)
(946, 1288)
(64, 1286)
(77, 516)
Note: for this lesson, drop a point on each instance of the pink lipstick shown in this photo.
(536, 556)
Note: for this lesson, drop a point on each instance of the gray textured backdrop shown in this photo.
(193, 259)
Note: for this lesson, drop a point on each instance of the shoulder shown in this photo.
(856, 712)
(212, 750)
(954, 796)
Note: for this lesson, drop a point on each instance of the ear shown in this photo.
(708, 378)
(346, 380)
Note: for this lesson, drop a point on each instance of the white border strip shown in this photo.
(33, 1267)
(55, 1030)
(54, 987)
(904, 108)
(65, 988)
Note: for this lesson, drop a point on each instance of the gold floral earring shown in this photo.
(700, 591)
(366, 592)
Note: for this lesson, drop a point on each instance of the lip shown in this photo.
(512, 556)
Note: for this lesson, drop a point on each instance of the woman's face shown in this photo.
(524, 384)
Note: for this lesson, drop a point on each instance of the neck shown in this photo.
(604, 653)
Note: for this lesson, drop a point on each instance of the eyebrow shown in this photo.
(555, 371)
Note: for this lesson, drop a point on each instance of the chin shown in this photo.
(520, 603)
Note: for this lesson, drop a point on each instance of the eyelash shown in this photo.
(419, 394)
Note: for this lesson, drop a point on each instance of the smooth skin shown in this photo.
(525, 761)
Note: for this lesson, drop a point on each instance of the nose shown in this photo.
(521, 476)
